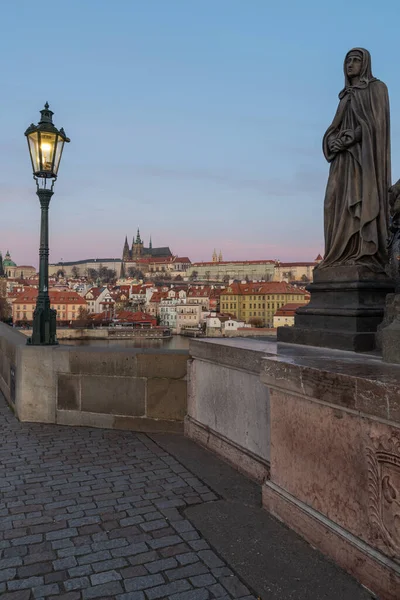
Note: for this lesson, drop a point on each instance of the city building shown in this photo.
(10, 269)
(295, 271)
(99, 299)
(187, 315)
(67, 304)
(82, 268)
(284, 316)
(234, 269)
(167, 311)
(254, 300)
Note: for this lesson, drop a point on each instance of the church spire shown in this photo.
(150, 244)
(125, 251)
(138, 240)
(214, 256)
(220, 258)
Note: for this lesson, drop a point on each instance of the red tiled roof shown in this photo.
(29, 296)
(95, 292)
(288, 310)
(136, 317)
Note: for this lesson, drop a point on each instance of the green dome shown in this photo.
(8, 262)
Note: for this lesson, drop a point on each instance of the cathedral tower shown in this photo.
(125, 253)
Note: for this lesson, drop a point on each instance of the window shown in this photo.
(58, 307)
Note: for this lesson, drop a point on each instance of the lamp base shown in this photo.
(44, 327)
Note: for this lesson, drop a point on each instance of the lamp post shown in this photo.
(45, 143)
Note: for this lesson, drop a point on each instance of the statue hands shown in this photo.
(347, 138)
(336, 145)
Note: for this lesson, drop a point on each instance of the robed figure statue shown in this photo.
(357, 145)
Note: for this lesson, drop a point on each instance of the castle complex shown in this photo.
(138, 251)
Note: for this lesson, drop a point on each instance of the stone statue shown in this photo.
(394, 237)
(357, 145)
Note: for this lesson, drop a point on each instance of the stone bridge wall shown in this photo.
(228, 407)
(121, 388)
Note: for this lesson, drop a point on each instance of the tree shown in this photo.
(178, 278)
(5, 310)
(83, 317)
(256, 322)
(135, 273)
(75, 272)
(207, 275)
(305, 278)
(60, 273)
(226, 278)
(246, 278)
(92, 275)
(193, 275)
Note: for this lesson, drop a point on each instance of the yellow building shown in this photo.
(247, 301)
(66, 303)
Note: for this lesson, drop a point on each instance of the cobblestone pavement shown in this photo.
(90, 513)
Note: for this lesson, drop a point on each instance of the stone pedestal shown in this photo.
(347, 305)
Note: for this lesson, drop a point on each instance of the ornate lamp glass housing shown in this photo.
(45, 144)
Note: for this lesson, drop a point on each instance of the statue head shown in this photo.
(357, 64)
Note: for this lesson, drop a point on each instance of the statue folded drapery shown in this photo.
(357, 144)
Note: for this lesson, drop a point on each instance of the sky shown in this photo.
(199, 121)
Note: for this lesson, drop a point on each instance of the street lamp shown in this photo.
(45, 144)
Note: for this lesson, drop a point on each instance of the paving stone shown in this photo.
(187, 571)
(168, 589)
(141, 583)
(105, 577)
(21, 584)
(45, 590)
(89, 519)
(161, 565)
(107, 565)
(37, 568)
(187, 558)
(55, 577)
(234, 586)
(107, 590)
(65, 563)
(202, 594)
(77, 583)
(81, 571)
(211, 559)
(20, 595)
(131, 596)
(168, 540)
(202, 580)
(217, 591)
(7, 574)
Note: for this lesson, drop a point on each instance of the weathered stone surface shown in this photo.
(68, 392)
(171, 365)
(166, 398)
(113, 395)
(232, 403)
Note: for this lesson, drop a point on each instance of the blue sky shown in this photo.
(198, 120)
